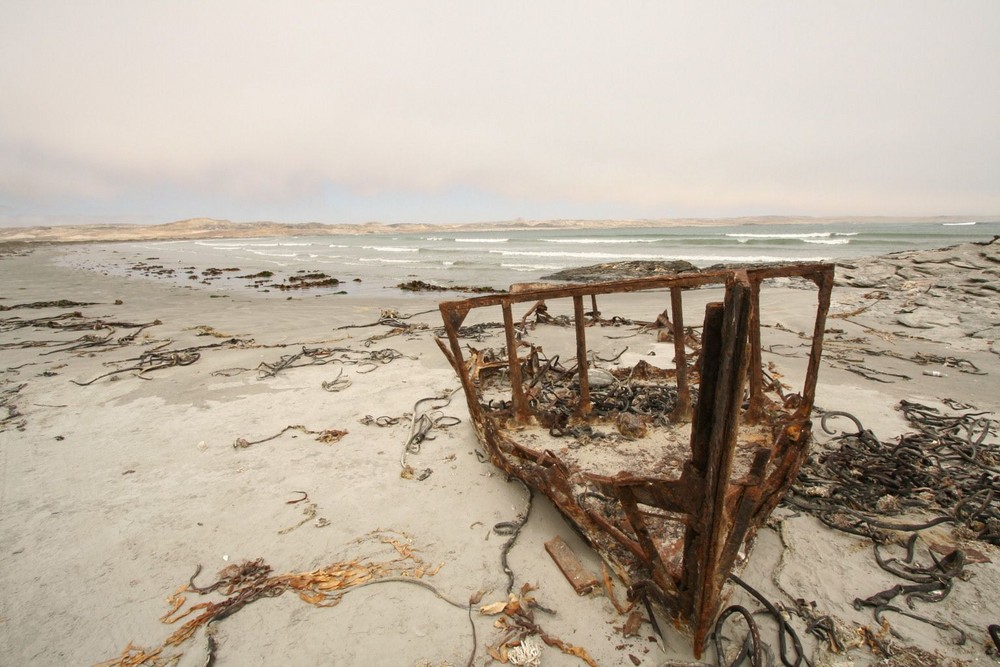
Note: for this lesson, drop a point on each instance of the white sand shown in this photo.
(111, 494)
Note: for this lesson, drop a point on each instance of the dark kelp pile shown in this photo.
(947, 469)
(945, 472)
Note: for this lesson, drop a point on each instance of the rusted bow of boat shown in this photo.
(667, 472)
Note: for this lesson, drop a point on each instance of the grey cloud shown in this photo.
(660, 108)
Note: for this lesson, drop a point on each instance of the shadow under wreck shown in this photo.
(667, 472)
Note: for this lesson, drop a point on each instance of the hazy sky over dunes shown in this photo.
(466, 111)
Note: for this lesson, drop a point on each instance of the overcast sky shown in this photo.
(467, 111)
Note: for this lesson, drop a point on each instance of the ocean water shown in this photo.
(498, 258)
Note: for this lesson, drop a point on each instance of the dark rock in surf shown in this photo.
(623, 271)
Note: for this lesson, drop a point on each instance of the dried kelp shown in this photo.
(307, 357)
(250, 581)
(60, 303)
(477, 332)
(309, 511)
(10, 415)
(158, 359)
(930, 583)
(92, 343)
(753, 644)
(517, 624)
(426, 416)
(75, 321)
(391, 318)
(512, 529)
(338, 383)
(307, 281)
(396, 331)
(554, 388)
(367, 361)
(327, 436)
(388, 317)
(382, 421)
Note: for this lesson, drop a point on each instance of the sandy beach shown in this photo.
(149, 431)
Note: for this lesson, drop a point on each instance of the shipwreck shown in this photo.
(666, 469)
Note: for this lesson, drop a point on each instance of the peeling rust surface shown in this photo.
(666, 472)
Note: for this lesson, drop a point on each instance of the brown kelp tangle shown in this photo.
(60, 303)
(74, 321)
(667, 472)
(426, 416)
(366, 362)
(160, 358)
(245, 583)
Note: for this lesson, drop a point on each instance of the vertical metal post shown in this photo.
(682, 411)
(825, 284)
(581, 356)
(514, 365)
(756, 371)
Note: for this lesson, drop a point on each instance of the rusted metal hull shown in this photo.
(672, 532)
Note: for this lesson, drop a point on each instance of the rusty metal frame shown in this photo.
(718, 515)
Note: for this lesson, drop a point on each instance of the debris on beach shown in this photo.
(518, 628)
(364, 361)
(569, 564)
(426, 416)
(672, 495)
(947, 472)
(326, 436)
(61, 303)
(159, 359)
(948, 469)
(247, 582)
(10, 414)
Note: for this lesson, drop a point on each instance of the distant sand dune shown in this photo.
(208, 228)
